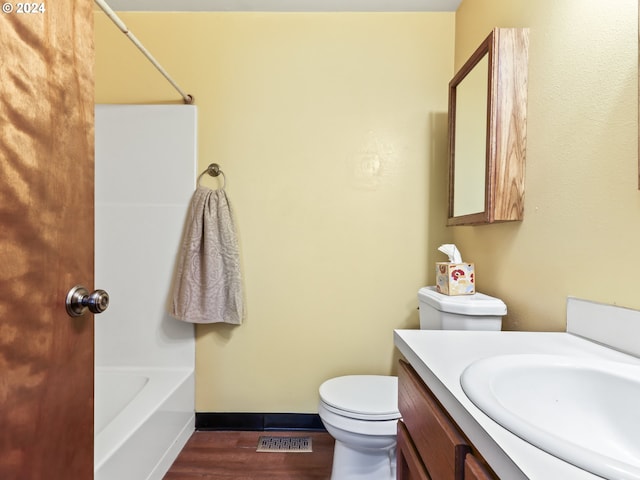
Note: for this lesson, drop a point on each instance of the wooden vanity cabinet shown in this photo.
(409, 463)
(430, 445)
(474, 470)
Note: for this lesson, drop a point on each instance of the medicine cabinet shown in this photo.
(488, 131)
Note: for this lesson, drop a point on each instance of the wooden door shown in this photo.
(46, 239)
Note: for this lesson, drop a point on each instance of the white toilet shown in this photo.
(361, 411)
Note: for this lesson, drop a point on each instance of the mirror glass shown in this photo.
(469, 170)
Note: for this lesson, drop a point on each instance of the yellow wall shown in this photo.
(331, 129)
(581, 230)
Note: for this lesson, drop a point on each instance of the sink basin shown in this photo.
(584, 411)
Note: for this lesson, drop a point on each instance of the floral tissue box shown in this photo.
(455, 278)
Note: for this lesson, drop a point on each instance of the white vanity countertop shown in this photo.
(440, 357)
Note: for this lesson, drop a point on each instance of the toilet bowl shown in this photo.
(361, 413)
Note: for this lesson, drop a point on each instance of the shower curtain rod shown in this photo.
(188, 99)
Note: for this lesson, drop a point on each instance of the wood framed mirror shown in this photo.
(487, 131)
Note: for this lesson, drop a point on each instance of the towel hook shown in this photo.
(214, 170)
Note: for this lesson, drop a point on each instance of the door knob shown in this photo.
(79, 299)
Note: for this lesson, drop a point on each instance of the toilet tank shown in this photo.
(459, 312)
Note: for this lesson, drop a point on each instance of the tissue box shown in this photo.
(455, 278)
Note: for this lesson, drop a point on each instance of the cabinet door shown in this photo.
(410, 467)
(474, 470)
(437, 439)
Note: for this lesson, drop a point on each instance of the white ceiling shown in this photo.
(287, 5)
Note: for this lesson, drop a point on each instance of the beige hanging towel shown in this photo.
(207, 286)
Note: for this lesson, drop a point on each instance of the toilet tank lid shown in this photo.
(476, 304)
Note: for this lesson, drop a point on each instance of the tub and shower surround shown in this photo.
(145, 176)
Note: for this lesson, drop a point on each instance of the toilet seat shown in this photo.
(362, 397)
(349, 425)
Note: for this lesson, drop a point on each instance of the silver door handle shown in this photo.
(79, 299)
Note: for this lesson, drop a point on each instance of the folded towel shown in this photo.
(207, 286)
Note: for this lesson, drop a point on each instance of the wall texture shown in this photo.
(582, 205)
(331, 129)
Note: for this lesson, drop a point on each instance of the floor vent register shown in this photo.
(284, 444)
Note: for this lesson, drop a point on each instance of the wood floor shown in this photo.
(232, 455)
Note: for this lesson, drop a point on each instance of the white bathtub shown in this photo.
(143, 418)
